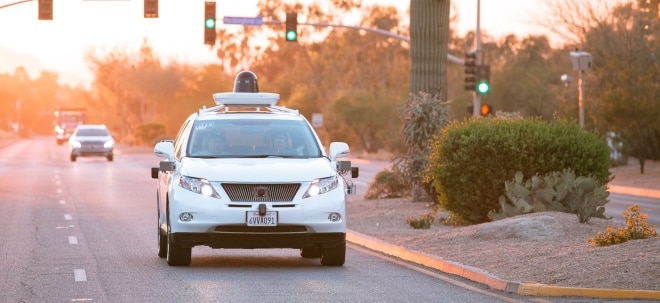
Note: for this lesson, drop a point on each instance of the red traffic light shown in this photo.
(485, 110)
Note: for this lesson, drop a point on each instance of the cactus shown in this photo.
(553, 192)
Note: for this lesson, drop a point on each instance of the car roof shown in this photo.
(249, 115)
(92, 126)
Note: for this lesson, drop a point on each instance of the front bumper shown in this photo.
(221, 223)
(95, 149)
(263, 239)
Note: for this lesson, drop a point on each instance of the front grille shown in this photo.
(92, 146)
(261, 192)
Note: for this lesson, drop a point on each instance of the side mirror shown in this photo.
(164, 149)
(338, 150)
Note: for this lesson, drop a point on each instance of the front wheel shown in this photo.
(334, 256)
(162, 243)
(177, 255)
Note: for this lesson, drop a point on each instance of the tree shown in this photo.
(622, 91)
(628, 89)
(429, 35)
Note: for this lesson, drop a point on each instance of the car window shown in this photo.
(252, 138)
(92, 132)
(179, 140)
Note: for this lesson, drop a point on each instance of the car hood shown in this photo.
(257, 169)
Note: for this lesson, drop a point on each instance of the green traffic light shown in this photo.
(291, 35)
(210, 23)
(483, 87)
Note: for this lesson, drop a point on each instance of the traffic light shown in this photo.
(483, 79)
(45, 9)
(470, 70)
(485, 110)
(151, 8)
(209, 23)
(291, 33)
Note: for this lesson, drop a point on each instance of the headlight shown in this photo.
(109, 144)
(75, 144)
(199, 186)
(321, 186)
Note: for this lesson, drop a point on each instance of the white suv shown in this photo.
(249, 174)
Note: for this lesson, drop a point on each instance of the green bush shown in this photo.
(387, 184)
(471, 160)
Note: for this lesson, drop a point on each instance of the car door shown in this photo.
(165, 179)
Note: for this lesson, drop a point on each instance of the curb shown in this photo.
(634, 191)
(488, 279)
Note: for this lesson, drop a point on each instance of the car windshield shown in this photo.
(92, 132)
(252, 138)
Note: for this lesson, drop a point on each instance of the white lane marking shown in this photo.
(67, 217)
(62, 202)
(73, 240)
(79, 275)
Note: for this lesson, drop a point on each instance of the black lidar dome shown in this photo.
(246, 82)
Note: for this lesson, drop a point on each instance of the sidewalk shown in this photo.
(485, 278)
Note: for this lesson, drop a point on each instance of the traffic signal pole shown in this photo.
(450, 58)
(476, 97)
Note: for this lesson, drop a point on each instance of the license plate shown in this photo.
(269, 219)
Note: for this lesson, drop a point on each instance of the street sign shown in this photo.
(317, 120)
(243, 20)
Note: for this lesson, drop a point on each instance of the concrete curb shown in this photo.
(633, 191)
(488, 279)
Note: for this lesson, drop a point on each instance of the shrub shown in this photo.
(471, 160)
(149, 133)
(387, 184)
(636, 228)
(423, 222)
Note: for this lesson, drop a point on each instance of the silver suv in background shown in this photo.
(91, 140)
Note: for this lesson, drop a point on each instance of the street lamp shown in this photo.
(581, 62)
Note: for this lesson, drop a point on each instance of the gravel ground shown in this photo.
(568, 261)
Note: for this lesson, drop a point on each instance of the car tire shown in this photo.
(177, 255)
(73, 158)
(110, 158)
(334, 256)
(162, 244)
(310, 252)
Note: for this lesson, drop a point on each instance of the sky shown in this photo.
(59, 45)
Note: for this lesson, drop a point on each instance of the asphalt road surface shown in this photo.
(85, 231)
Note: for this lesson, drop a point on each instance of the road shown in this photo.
(85, 231)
